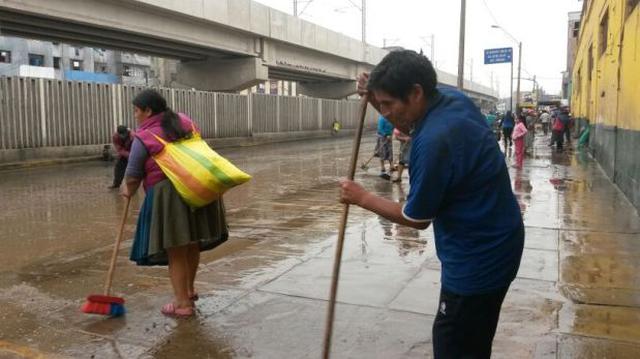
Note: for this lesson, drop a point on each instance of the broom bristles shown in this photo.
(104, 305)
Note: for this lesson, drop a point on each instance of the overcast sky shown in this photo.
(541, 25)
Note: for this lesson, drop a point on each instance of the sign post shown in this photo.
(501, 56)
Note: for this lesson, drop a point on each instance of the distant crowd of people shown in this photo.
(519, 130)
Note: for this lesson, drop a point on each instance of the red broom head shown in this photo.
(104, 305)
(97, 298)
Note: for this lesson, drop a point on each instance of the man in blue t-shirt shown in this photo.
(459, 181)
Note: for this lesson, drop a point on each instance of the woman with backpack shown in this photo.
(557, 131)
(169, 231)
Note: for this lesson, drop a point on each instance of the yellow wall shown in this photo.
(612, 96)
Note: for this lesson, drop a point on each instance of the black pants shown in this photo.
(507, 136)
(567, 134)
(118, 171)
(465, 325)
(557, 139)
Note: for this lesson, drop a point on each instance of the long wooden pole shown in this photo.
(116, 247)
(343, 226)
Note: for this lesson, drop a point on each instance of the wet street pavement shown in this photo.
(264, 292)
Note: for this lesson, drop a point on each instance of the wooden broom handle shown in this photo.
(116, 248)
(343, 225)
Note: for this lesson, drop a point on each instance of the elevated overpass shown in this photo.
(223, 45)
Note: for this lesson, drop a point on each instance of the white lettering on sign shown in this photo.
(300, 67)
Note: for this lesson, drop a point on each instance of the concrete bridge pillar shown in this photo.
(222, 75)
(333, 90)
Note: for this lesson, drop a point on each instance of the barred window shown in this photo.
(604, 34)
(631, 5)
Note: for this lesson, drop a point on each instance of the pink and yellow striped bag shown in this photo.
(199, 174)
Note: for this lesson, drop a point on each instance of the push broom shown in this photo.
(343, 225)
(105, 304)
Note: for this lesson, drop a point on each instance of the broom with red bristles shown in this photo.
(104, 303)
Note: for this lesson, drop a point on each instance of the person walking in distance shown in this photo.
(507, 129)
(518, 136)
(405, 153)
(384, 146)
(566, 122)
(545, 119)
(459, 182)
(122, 140)
(557, 133)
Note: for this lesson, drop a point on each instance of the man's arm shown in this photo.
(353, 193)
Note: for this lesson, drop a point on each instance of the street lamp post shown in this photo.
(519, 68)
(463, 12)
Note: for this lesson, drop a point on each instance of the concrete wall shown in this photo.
(606, 84)
(41, 118)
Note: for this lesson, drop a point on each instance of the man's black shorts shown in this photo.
(465, 325)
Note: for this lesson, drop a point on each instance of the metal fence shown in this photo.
(54, 113)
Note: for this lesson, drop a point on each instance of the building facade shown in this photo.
(573, 31)
(52, 60)
(606, 84)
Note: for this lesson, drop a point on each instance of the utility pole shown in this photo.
(519, 68)
(433, 48)
(295, 8)
(463, 11)
(511, 88)
(492, 80)
(364, 22)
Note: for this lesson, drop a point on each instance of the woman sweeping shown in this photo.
(169, 231)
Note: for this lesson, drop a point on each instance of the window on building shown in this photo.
(77, 51)
(576, 28)
(56, 62)
(126, 70)
(5, 56)
(604, 33)
(577, 85)
(76, 65)
(631, 5)
(36, 60)
(100, 67)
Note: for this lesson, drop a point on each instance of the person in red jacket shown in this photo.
(122, 140)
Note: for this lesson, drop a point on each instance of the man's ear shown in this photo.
(417, 93)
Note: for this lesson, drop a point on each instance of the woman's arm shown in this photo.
(135, 169)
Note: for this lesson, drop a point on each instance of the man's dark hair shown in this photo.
(399, 71)
(123, 130)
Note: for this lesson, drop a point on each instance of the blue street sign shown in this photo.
(498, 56)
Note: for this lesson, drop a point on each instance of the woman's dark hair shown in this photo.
(171, 124)
(399, 71)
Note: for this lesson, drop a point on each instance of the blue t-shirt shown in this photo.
(508, 122)
(385, 128)
(459, 179)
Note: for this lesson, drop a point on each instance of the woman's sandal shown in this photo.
(171, 310)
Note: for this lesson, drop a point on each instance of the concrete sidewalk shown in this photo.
(264, 292)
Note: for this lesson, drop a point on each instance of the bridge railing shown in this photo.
(36, 113)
